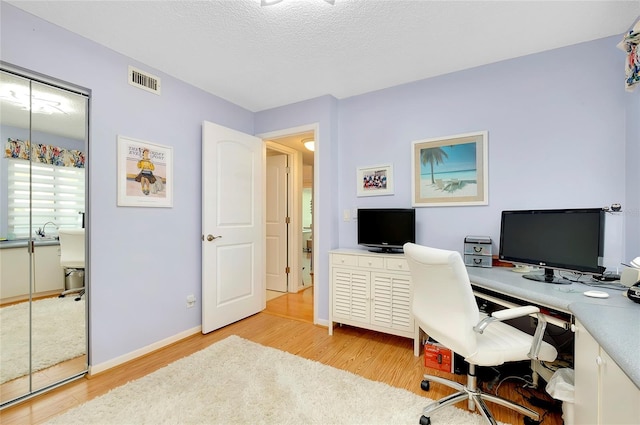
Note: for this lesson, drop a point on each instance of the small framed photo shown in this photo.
(450, 171)
(145, 174)
(375, 180)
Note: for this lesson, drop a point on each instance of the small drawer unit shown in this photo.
(477, 251)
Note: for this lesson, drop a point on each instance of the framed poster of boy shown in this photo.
(145, 174)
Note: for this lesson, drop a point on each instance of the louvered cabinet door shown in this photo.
(372, 291)
(390, 301)
(351, 295)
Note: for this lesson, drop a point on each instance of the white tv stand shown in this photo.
(373, 291)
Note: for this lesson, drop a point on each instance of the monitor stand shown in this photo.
(547, 277)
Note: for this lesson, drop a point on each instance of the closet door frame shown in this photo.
(85, 94)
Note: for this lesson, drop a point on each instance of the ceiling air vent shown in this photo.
(144, 80)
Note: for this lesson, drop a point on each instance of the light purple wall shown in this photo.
(556, 124)
(143, 261)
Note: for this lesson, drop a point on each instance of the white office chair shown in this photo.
(72, 256)
(444, 307)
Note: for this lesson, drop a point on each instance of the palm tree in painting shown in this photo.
(432, 156)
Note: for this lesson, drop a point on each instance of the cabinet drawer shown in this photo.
(397, 264)
(477, 248)
(344, 260)
(371, 262)
(478, 260)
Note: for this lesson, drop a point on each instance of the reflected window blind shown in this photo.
(57, 195)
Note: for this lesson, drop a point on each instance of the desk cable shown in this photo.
(532, 396)
(596, 283)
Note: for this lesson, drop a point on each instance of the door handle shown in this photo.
(211, 237)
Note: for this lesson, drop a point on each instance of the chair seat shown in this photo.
(502, 343)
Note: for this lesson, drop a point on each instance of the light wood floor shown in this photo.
(286, 324)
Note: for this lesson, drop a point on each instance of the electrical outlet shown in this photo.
(191, 301)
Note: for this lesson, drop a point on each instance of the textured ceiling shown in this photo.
(263, 57)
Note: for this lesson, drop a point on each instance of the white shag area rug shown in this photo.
(236, 381)
(58, 335)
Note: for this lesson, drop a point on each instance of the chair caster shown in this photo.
(60, 296)
(424, 385)
(425, 421)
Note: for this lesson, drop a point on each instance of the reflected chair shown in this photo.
(444, 307)
(72, 257)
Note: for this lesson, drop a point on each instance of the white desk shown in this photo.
(607, 364)
(612, 321)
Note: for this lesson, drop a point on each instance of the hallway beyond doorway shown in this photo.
(307, 272)
(298, 306)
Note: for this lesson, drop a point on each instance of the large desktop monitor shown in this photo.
(561, 239)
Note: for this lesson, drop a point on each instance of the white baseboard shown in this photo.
(95, 369)
(322, 322)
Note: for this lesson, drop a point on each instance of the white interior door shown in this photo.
(276, 223)
(232, 226)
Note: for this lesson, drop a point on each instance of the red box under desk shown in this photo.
(438, 357)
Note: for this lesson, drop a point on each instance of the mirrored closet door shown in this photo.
(43, 318)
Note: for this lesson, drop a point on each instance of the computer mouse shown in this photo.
(596, 294)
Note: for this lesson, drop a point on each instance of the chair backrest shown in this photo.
(442, 301)
(71, 248)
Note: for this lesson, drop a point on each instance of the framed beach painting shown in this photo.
(450, 171)
(374, 180)
(145, 174)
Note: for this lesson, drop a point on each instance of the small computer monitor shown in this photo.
(559, 239)
(386, 229)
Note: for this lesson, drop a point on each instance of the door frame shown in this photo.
(296, 190)
(294, 199)
(288, 198)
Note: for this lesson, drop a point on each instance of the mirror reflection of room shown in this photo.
(42, 197)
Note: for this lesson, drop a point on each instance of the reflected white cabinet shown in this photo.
(49, 275)
(372, 291)
(603, 393)
(14, 272)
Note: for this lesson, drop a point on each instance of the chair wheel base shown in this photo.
(424, 385)
(424, 420)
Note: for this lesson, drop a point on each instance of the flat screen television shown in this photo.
(561, 239)
(386, 229)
